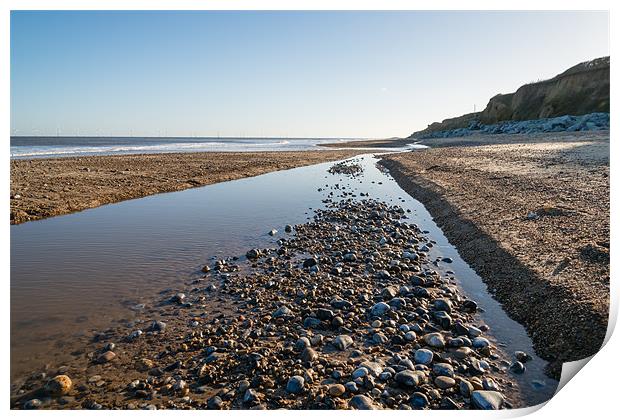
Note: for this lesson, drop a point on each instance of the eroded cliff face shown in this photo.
(580, 90)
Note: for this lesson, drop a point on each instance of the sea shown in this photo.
(39, 147)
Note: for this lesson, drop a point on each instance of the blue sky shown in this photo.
(318, 74)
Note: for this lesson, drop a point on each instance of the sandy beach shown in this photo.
(42, 188)
(531, 215)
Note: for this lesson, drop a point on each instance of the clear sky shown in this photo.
(317, 74)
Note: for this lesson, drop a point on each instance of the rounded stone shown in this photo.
(158, 326)
(379, 309)
(282, 311)
(58, 385)
(215, 403)
(309, 355)
(337, 321)
(442, 305)
(361, 402)
(106, 357)
(522, 356)
(409, 378)
(302, 343)
(336, 390)
(423, 356)
(480, 342)
(295, 385)
(435, 340)
(444, 382)
(487, 400)
(466, 388)
(418, 400)
(379, 338)
(462, 353)
(443, 369)
(517, 367)
(32, 404)
(342, 342)
(359, 373)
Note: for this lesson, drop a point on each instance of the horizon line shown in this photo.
(201, 137)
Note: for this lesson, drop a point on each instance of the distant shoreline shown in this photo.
(391, 143)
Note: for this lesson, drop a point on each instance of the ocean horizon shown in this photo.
(25, 147)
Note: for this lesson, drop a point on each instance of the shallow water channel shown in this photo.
(74, 274)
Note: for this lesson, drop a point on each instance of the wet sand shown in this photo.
(42, 188)
(531, 215)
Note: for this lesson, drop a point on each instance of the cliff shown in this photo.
(582, 89)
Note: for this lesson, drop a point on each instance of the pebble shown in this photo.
(215, 403)
(443, 305)
(423, 356)
(106, 357)
(134, 335)
(522, 356)
(480, 342)
(282, 311)
(362, 402)
(474, 332)
(418, 400)
(410, 336)
(33, 404)
(58, 386)
(144, 364)
(251, 254)
(359, 373)
(487, 400)
(517, 367)
(462, 353)
(444, 382)
(379, 338)
(342, 342)
(434, 340)
(336, 390)
(351, 386)
(310, 262)
(250, 396)
(295, 385)
(380, 309)
(309, 355)
(465, 388)
(409, 378)
(158, 326)
(443, 369)
(489, 384)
